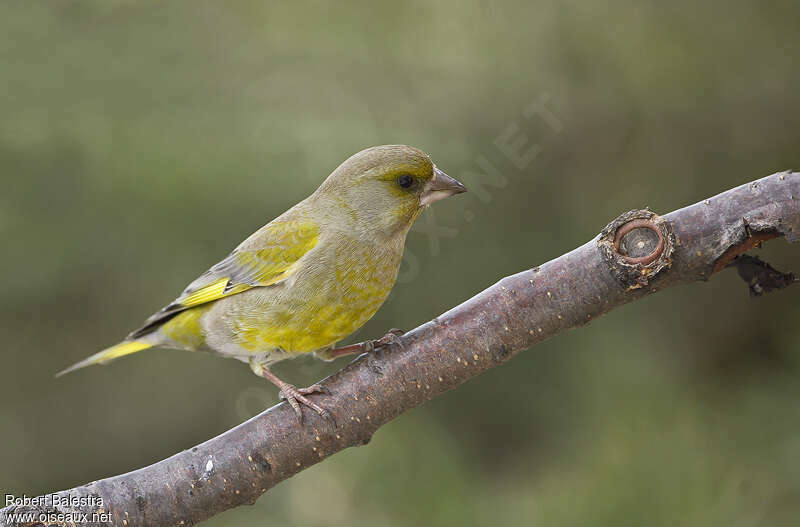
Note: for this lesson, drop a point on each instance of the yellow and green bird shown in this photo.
(307, 279)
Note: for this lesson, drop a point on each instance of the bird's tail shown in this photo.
(125, 347)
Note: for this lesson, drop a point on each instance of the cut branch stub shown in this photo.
(636, 247)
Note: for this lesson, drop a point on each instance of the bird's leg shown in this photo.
(392, 337)
(296, 396)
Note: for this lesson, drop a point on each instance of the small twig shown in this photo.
(760, 276)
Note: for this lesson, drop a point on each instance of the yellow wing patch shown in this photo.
(269, 256)
(213, 291)
(206, 294)
(282, 246)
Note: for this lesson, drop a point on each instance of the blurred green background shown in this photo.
(140, 141)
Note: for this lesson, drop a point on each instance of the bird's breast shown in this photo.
(329, 298)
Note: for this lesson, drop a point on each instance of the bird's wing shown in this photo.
(269, 256)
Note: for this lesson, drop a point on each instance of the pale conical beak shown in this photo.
(440, 186)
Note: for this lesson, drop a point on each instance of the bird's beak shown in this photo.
(440, 187)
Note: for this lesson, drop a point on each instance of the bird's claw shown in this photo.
(368, 346)
(297, 396)
(315, 388)
(392, 337)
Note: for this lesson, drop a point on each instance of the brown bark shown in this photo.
(637, 254)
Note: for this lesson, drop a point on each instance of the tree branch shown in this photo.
(637, 254)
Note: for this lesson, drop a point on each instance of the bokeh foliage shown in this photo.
(140, 141)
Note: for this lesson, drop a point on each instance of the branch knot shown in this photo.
(636, 247)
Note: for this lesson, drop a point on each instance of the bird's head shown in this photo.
(384, 188)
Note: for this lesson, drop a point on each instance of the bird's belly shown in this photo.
(326, 326)
(298, 324)
(303, 329)
(322, 305)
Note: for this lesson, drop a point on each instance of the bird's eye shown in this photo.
(405, 181)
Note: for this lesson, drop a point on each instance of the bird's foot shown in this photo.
(293, 395)
(296, 396)
(392, 337)
(368, 346)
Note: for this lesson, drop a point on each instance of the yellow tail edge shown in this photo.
(120, 350)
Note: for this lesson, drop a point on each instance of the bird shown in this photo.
(306, 280)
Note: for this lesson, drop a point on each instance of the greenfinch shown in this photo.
(307, 279)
